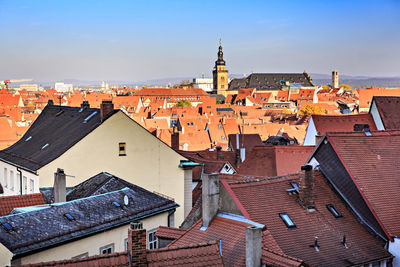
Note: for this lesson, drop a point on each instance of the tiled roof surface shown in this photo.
(91, 215)
(169, 232)
(53, 122)
(366, 95)
(248, 141)
(388, 108)
(231, 232)
(270, 161)
(8, 203)
(113, 260)
(264, 200)
(373, 163)
(170, 91)
(345, 123)
(203, 254)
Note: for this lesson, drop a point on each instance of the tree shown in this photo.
(220, 101)
(312, 109)
(183, 103)
(345, 87)
(287, 111)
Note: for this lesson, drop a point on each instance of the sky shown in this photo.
(143, 40)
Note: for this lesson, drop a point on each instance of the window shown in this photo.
(11, 180)
(153, 241)
(25, 184)
(83, 255)
(5, 177)
(223, 138)
(107, 249)
(69, 216)
(286, 219)
(222, 86)
(31, 185)
(334, 211)
(122, 149)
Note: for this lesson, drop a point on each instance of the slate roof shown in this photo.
(260, 200)
(373, 164)
(270, 81)
(48, 226)
(341, 123)
(119, 259)
(58, 126)
(203, 254)
(388, 108)
(8, 203)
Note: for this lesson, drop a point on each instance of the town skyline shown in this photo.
(138, 42)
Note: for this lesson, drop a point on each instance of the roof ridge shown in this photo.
(190, 246)
(273, 178)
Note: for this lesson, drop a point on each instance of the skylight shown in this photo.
(116, 204)
(7, 226)
(29, 138)
(69, 216)
(294, 189)
(286, 219)
(334, 211)
(46, 145)
(89, 117)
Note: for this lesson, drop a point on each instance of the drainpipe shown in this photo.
(20, 180)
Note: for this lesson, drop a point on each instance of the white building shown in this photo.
(63, 88)
(204, 83)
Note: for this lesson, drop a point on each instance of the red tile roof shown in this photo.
(203, 254)
(270, 161)
(345, 123)
(8, 203)
(169, 232)
(372, 162)
(248, 141)
(365, 95)
(388, 108)
(113, 260)
(265, 199)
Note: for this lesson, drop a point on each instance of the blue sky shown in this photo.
(141, 40)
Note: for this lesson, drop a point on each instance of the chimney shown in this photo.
(253, 246)
(220, 154)
(106, 108)
(317, 138)
(237, 154)
(306, 187)
(50, 102)
(210, 196)
(85, 104)
(175, 139)
(60, 194)
(137, 244)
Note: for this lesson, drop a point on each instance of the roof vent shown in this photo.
(29, 138)
(315, 246)
(126, 200)
(89, 117)
(46, 145)
(344, 242)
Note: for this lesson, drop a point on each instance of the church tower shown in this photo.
(220, 74)
(335, 79)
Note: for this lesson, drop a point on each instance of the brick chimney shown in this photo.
(85, 104)
(175, 139)
(306, 187)
(210, 198)
(253, 246)
(137, 244)
(106, 108)
(60, 194)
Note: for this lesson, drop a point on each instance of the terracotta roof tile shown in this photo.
(8, 203)
(345, 123)
(388, 108)
(169, 232)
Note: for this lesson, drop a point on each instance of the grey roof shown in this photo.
(48, 226)
(56, 130)
(270, 81)
(99, 184)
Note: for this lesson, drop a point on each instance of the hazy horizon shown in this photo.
(139, 41)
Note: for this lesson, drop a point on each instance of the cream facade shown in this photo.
(10, 178)
(91, 245)
(148, 162)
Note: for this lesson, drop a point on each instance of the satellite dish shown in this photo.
(126, 200)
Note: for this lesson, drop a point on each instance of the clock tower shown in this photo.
(220, 74)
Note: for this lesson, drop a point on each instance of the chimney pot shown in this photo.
(85, 104)
(137, 244)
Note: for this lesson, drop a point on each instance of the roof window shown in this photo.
(29, 138)
(334, 211)
(116, 204)
(286, 219)
(69, 216)
(294, 189)
(7, 226)
(89, 117)
(46, 145)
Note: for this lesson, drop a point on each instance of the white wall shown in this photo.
(377, 118)
(394, 249)
(311, 132)
(9, 178)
